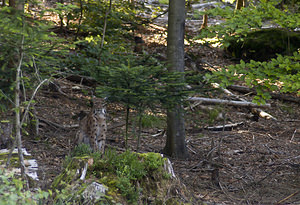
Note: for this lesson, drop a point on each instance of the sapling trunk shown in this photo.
(126, 126)
(140, 131)
(104, 30)
(17, 111)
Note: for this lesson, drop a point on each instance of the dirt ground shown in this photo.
(257, 162)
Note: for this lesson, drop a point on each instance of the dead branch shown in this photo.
(292, 138)
(57, 125)
(228, 127)
(227, 102)
(255, 111)
(279, 96)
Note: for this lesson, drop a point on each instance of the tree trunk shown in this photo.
(239, 4)
(175, 144)
(17, 4)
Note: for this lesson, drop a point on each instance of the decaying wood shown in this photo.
(227, 102)
(279, 96)
(263, 114)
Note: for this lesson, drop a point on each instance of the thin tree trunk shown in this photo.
(139, 131)
(126, 127)
(104, 30)
(175, 143)
(80, 19)
(17, 111)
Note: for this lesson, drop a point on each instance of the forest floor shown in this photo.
(257, 162)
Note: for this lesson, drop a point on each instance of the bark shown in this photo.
(175, 143)
(239, 4)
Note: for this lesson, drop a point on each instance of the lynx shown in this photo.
(93, 127)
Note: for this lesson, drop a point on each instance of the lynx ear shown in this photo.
(93, 100)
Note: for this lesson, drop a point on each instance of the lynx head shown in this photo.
(98, 105)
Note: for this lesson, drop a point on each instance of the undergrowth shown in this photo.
(121, 172)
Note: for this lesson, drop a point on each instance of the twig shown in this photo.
(288, 197)
(163, 13)
(292, 138)
(31, 99)
(10, 100)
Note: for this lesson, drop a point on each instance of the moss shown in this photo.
(130, 177)
(70, 173)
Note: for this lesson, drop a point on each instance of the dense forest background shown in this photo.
(220, 100)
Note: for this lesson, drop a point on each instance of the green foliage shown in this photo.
(22, 34)
(65, 11)
(152, 161)
(129, 167)
(141, 86)
(122, 17)
(280, 74)
(12, 192)
(240, 22)
(164, 2)
(153, 121)
(81, 150)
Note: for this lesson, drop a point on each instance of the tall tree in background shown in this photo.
(175, 144)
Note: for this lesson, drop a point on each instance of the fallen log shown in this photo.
(212, 101)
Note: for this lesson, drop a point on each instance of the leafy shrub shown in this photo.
(23, 36)
(237, 23)
(81, 150)
(280, 74)
(12, 191)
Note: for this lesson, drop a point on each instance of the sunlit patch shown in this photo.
(214, 42)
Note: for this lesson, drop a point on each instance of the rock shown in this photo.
(94, 192)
